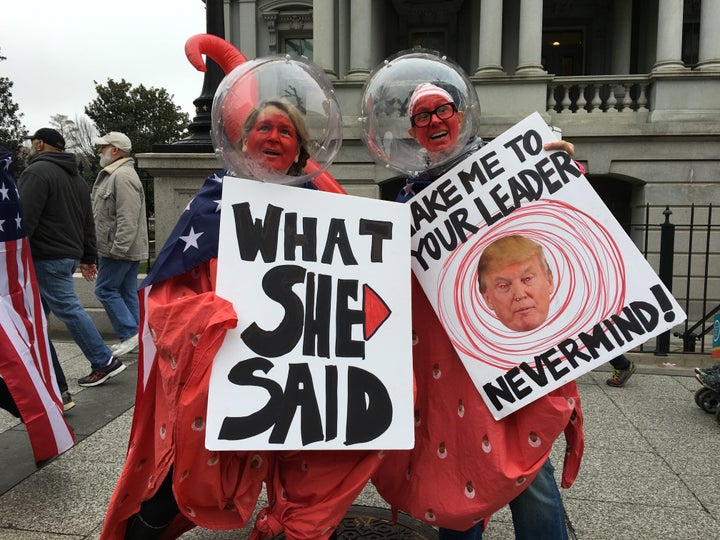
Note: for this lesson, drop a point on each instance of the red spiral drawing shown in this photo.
(589, 284)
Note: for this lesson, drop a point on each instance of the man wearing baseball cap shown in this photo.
(118, 203)
(48, 136)
(58, 218)
(117, 140)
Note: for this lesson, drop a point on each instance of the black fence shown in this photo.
(682, 244)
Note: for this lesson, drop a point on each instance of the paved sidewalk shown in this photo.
(650, 468)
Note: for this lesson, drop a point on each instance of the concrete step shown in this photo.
(85, 291)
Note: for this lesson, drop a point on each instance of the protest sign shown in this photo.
(321, 356)
(604, 298)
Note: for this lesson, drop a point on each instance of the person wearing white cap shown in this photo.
(57, 215)
(118, 202)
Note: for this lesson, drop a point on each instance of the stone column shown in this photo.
(324, 36)
(709, 56)
(490, 40)
(360, 35)
(622, 34)
(232, 15)
(247, 34)
(343, 39)
(669, 36)
(530, 50)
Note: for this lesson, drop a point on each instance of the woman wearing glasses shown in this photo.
(465, 465)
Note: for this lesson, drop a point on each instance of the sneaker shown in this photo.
(68, 402)
(709, 380)
(124, 347)
(99, 376)
(621, 376)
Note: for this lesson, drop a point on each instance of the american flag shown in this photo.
(194, 240)
(25, 362)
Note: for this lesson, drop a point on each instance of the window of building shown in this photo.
(432, 39)
(298, 45)
(562, 52)
(289, 28)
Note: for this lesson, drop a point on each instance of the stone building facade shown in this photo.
(634, 84)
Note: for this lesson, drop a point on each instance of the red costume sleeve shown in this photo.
(216, 490)
(308, 492)
(465, 464)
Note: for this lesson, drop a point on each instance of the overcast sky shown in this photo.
(56, 49)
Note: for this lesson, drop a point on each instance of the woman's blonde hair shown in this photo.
(296, 117)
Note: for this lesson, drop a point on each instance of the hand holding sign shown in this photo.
(515, 351)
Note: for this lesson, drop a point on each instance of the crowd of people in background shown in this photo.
(100, 233)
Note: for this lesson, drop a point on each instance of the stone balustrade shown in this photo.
(593, 95)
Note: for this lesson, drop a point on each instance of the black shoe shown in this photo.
(67, 400)
(137, 529)
(99, 376)
(621, 376)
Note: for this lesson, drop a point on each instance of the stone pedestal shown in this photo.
(177, 177)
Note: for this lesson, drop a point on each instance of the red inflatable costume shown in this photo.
(465, 465)
(308, 492)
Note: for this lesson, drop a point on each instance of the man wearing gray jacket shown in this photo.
(118, 202)
(58, 218)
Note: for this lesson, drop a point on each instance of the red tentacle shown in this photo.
(216, 48)
(228, 58)
(323, 181)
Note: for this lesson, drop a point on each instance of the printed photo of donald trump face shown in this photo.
(516, 282)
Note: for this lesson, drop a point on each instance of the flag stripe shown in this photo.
(146, 356)
(42, 340)
(36, 395)
(49, 433)
(25, 360)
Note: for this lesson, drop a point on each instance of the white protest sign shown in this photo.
(604, 297)
(321, 356)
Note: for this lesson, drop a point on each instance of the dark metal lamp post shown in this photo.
(199, 139)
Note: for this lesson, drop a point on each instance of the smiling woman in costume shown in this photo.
(275, 138)
(465, 465)
(170, 482)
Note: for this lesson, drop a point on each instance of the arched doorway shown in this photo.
(618, 194)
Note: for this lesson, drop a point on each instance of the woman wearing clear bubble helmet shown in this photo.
(170, 482)
(465, 465)
(275, 137)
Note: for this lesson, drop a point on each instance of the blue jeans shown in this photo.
(537, 513)
(57, 290)
(116, 288)
(59, 373)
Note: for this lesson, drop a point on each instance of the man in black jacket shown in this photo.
(59, 220)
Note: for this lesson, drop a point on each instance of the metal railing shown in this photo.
(682, 243)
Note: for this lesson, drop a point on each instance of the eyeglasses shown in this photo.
(443, 112)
